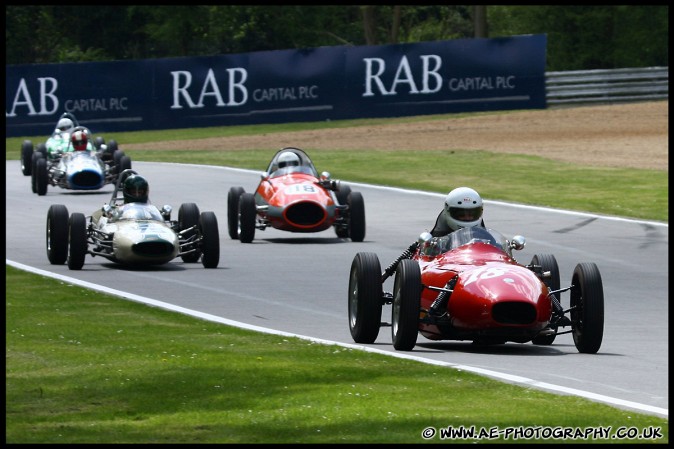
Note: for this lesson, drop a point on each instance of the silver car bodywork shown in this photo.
(135, 234)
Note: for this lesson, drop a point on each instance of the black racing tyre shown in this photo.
(98, 142)
(548, 262)
(107, 154)
(124, 163)
(112, 146)
(57, 234)
(26, 157)
(233, 211)
(587, 308)
(117, 160)
(406, 304)
(343, 193)
(342, 232)
(247, 217)
(365, 298)
(33, 163)
(210, 243)
(41, 176)
(188, 216)
(77, 241)
(356, 217)
(42, 149)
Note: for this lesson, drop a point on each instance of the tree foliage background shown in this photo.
(579, 37)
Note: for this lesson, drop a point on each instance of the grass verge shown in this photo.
(84, 367)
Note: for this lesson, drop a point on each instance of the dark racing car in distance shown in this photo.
(292, 196)
(58, 163)
(132, 233)
(468, 286)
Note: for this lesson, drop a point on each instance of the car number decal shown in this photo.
(300, 189)
(483, 273)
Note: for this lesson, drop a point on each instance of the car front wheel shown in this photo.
(188, 216)
(57, 234)
(26, 157)
(365, 298)
(587, 308)
(406, 303)
(210, 243)
(77, 241)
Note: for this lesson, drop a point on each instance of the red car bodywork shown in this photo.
(294, 202)
(467, 286)
(295, 198)
(493, 294)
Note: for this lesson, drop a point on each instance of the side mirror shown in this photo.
(518, 242)
(325, 175)
(264, 175)
(424, 239)
(166, 212)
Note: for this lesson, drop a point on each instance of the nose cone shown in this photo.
(305, 214)
(154, 249)
(86, 179)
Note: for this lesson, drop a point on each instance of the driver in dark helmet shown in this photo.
(135, 190)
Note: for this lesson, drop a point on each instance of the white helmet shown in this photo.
(463, 208)
(288, 159)
(64, 124)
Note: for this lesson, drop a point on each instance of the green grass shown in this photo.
(84, 367)
(631, 193)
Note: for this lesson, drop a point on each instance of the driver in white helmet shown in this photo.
(64, 125)
(286, 160)
(462, 209)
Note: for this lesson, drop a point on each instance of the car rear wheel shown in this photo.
(26, 157)
(41, 176)
(117, 157)
(365, 298)
(188, 216)
(356, 217)
(107, 154)
(342, 231)
(247, 215)
(33, 170)
(233, 211)
(124, 163)
(587, 308)
(98, 142)
(548, 262)
(77, 241)
(210, 240)
(118, 161)
(406, 303)
(42, 149)
(57, 234)
(112, 146)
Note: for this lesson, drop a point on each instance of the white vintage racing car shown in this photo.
(134, 234)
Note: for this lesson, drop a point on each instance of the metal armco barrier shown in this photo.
(579, 87)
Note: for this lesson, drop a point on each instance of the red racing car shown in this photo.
(291, 196)
(468, 286)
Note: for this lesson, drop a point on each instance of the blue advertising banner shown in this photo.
(326, 83)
